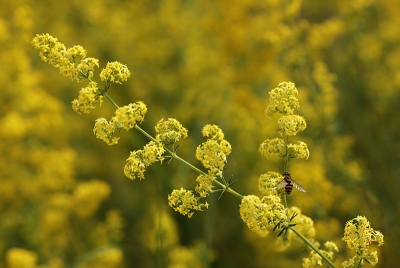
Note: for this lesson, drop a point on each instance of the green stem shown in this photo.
(111, 100)
(313, 247)
(286, 161)
(284, 199)
(149, 136)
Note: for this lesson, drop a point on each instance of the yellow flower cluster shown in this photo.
(271, 147)
(170, 131)
(291, 124)
(115, 72)
(88, 96)
(214, 151)
(185, 202)
(261, 216)
(212, 155)
(213, 132)
(299, 151)
(316, 260)
(205, 184)
(125, 117)
(128, 116)
(139, 160)
(283, 99)
(67, 60)
(268, 181)
(56, 54)
(104, 130)
(358, 235)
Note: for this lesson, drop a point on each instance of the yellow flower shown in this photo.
(267, 182)
(283, 99)
(139, 160)
(128, 116)
(125, 117)
(261, 216)
(353, 262)
(204, 186)
(170, 131)
(86, 99)
(56, 54)
(291, 124)
(115, 72)
(213, 132)
(358, 235)
(185, 202)
(86, 67)
(104, 130)
(271, 147)
(213, 153)
(50, 50)
(299, 151)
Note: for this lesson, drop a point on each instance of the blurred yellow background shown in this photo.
(64, 200)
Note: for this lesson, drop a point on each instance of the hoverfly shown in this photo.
(288, 184)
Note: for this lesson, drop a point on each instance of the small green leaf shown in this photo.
(281, 232)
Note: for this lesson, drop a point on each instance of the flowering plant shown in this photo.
(262, 215)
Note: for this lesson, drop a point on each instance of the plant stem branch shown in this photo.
(226, 188)
(111, 100)
(313, 247)
(174, 155)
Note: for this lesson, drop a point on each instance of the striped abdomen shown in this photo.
(288, 187)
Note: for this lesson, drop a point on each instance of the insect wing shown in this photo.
(281, 184)
(298, 186)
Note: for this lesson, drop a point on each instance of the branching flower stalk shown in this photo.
(283, 100)
(262, 215)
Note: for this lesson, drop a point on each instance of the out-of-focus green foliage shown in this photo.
(64, 199)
